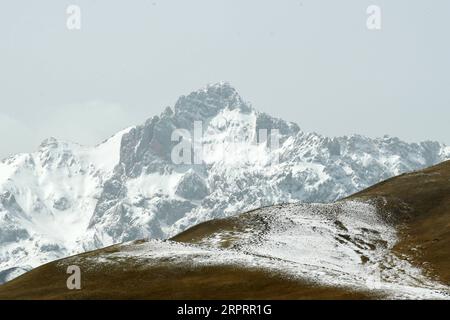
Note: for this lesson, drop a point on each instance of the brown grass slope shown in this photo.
(136, 280)
(417, 203)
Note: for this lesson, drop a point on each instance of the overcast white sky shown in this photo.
(310, 61)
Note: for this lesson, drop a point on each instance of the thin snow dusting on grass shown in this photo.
(344, 245)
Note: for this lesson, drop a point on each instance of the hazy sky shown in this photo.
(309, 61)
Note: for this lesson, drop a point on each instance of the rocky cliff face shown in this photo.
(66, 198)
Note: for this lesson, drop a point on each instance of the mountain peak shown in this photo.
(49, 143)
(222, 89)
(210, 100)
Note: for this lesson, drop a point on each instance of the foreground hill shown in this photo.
(418, 205)
(389, 241)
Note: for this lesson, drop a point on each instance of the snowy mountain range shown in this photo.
(66, 198)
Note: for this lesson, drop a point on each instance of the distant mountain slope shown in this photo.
(65, 198)
(47, 199)
(361, 247)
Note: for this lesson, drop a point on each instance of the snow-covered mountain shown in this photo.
(47, 198)
(66, 198)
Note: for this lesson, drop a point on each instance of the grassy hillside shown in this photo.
(167, 281)
(418, 204)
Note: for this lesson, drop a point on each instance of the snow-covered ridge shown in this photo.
(66, 198)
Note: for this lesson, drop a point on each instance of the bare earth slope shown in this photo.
(389, 241)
